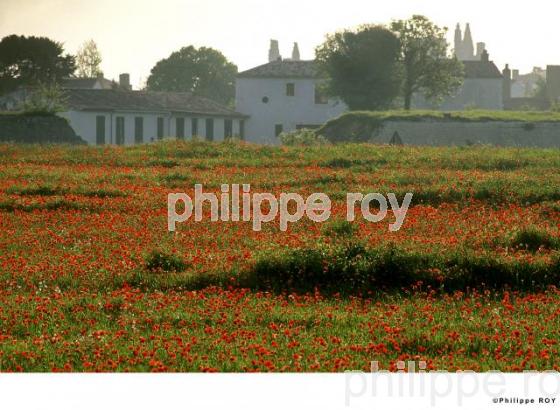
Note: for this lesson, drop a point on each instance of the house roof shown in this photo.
(282, 69)
(87, 83)
(144, 101)
(481, 69)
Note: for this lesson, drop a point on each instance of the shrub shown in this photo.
(339, 228)
(158, 261)
(41, 190)
(534, 239)
(303, 137)
(353, 269)
(165, 163)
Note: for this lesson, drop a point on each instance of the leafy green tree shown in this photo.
(204, 71)
(362, 67)
(426, 66)
(88, 60)
(31, 61)
(45, 99)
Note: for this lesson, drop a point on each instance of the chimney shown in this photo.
(486, 57)
(515, 75)
(295, 52)
(124, 81)
(480, 47)
(274, 51)
(506, 90)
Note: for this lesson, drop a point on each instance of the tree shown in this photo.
(88, 60)
(361, 67)
(45, 99)
(204, 72)
(426, 67)
(31, 61)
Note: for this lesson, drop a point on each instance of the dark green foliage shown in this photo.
(42, 128)
(59, 204)
(204, 72)
(42, 190)
(353, 269)
(32, 60)
(362, 67)
(165, 163)
(339, 228)
(534, 239)
(425, 64)
(158, 261)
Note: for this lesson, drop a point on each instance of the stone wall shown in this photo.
(442, 132)
(44, 129)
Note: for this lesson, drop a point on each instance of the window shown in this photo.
(265, 100)
(320, 96)
(194, 127)
(242, 129)
(138, 130)
(278, 128)
(228, 129)
(120, 131)
(160, 128)
(100, 130)
(180, 127)
(290, 89)
(209, 129)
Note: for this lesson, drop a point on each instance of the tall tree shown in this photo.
(31, 61)
(88, 60)
(361, 67)
(204, 71)
(426, 66)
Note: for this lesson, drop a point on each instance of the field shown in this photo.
(469, 281)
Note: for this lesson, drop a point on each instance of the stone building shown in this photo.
(283, 95)
(482, 88)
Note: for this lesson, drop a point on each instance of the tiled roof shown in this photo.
(307, 69)
(481, 69)
(87, 83)
(282, 69)
(144, 101)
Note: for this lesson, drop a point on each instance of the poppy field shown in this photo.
(91, 280)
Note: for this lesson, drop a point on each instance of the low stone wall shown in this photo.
(442, 132)
(42, 129)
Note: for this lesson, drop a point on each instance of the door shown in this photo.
(138, 130)
(210, 129)
(100, 130)
(180, 128)
(120, 131)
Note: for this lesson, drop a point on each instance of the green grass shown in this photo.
(468, 115)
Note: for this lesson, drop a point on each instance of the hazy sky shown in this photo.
(134, 34)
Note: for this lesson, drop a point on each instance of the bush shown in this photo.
(159, 261)
(352, 269)
(303, 137)
(534, 239)
(339, 228)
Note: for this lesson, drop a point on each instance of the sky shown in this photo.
(134, 34)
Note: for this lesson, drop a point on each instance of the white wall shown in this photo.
(280, 109)
(84, 124)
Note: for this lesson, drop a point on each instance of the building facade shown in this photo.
(281, 96)
(134, 117)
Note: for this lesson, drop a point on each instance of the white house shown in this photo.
(132, 117)
(282, 95)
